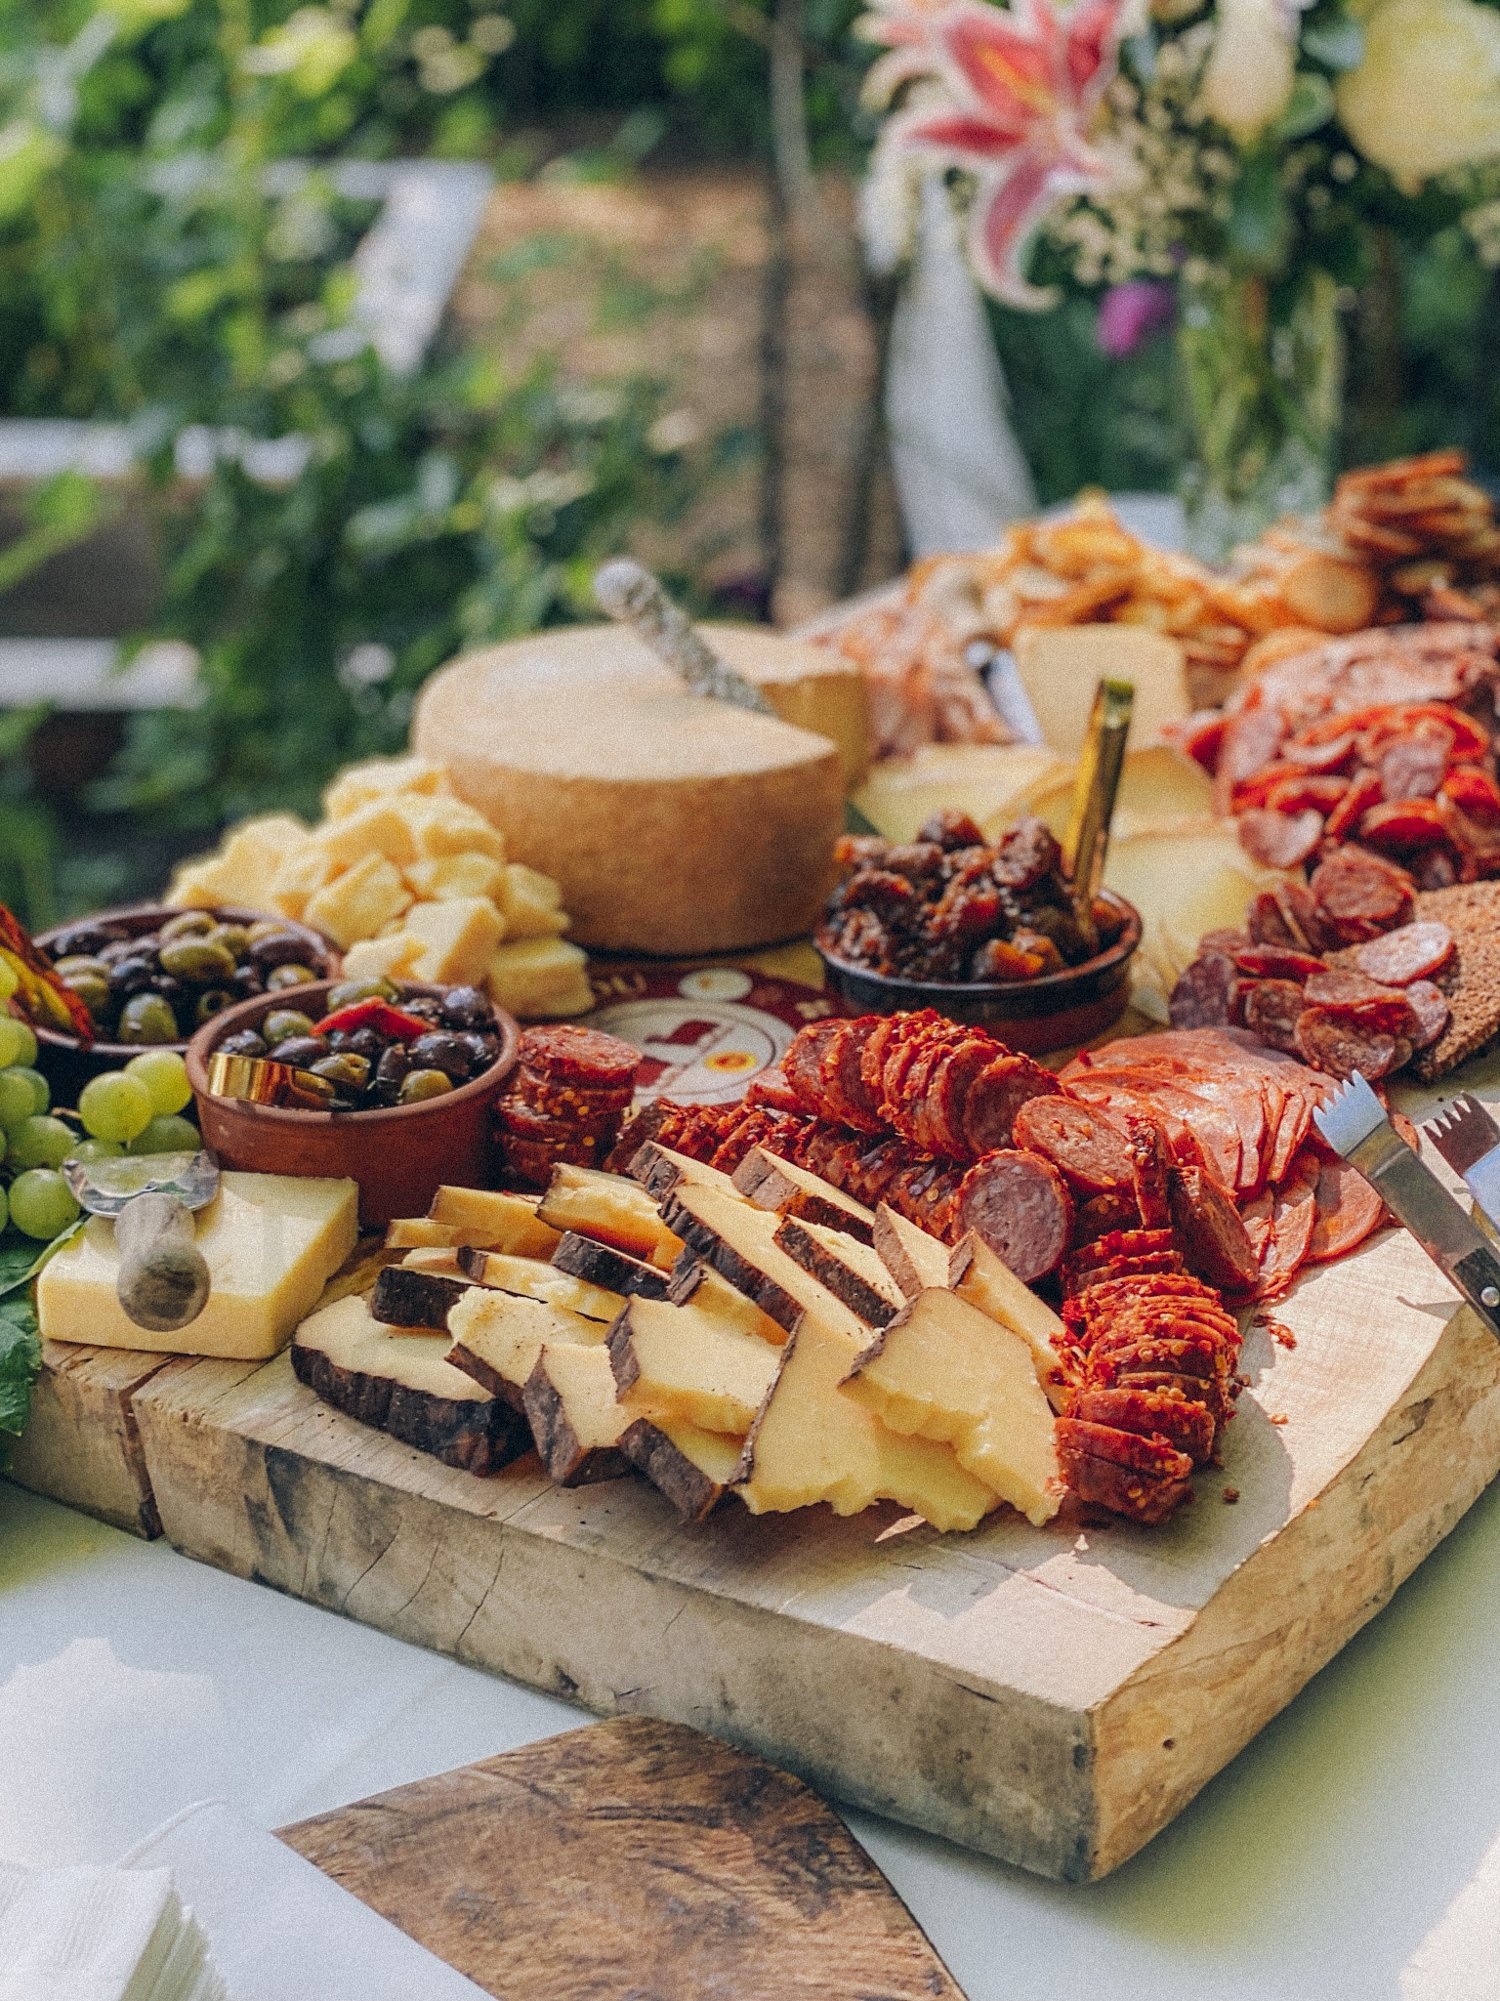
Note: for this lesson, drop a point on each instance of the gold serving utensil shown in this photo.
(259, 1081)
(1094, 794)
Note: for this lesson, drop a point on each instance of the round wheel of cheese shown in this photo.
(675, 824)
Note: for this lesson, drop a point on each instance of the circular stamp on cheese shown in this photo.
(705, 1034)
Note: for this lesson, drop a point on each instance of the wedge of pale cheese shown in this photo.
(498, 1337)
(978, 1274)
(682, 1362)
(1060, 667)
(942, 1370)
(271, 1242)
(814, 1441)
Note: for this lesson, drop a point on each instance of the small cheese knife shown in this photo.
(163, 1280)
(630, 594)
(1355, 1125)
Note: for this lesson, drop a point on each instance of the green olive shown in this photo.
(197, 960)
(421, 1084)
(189, 924)
(211, 1003)
(348, 1071)
(265, 927)
(282, 977)
(283, 1022)
(234, 938)
(81, 966)
(147, 1018)
(93, 992)
(348, 992)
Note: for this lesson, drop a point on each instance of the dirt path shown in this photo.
(667, 273)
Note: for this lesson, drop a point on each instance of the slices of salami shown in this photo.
(1347, 1211)
(582, 1056)
(1431, 1013)
(997, 1094)
(1187, 1427)
(1085, 1144)
(1279, 840)
(1204, 995)
(803, 1064)
(1356, 997)
(1415, 952)
(1339, 1046)
(1019, 1204)
(1272, 1009)
(1277, 962)
(1209, 1229)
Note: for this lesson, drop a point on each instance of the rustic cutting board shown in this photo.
(631, 1861)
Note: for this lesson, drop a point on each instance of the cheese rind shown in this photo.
(271, 1241)
(612, 1208)
(914, 1258)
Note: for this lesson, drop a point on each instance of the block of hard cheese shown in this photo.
(674, 823)
(272, 1242)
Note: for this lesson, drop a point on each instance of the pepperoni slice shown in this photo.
(1354, 885)
(1339, 1047)
(1431, 1013)
(1414, 952)
(581, 1056)
(1148, 1498)
(1299, 911)
(1354, 995)
(1019, 1204)
(1415, 764)
(1267, 924)
(1292, 1219)
(1204, 996)
(1210, 1232)
(519, 1120)
(1084, 1143)
(1363, 793)
(1403, 824)
(1347, 1210)
(1279, 840)
(551, 1099)
(841, 1064)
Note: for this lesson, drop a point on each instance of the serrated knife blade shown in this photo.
(1355, 1125)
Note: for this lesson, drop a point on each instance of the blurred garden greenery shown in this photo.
(149, 274)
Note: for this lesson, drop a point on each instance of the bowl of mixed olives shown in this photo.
(413, 1070)
(152, 977)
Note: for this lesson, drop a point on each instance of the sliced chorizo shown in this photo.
(1209, 1229)
(1090, 1150)
(1019, 1204)
(1415, 952)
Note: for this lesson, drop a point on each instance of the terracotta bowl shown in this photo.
(400, 1155)
(69, 1065)
(1057, 1011)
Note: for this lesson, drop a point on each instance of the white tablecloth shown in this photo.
(1353, 1850)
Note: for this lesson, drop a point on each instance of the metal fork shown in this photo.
(1468, 1138)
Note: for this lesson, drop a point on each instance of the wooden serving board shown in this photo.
(628, 1860)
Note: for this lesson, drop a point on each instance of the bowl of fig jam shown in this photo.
(394, 1128)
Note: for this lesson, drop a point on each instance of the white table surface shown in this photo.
(1353, 1850)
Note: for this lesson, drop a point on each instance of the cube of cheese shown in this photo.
(458, 939)
(377, 829)
(299, 877)
(447, 876)
(531, 903)
(357, 903)
(383, 778)
(272, 1242)
(534, 977)
(388, 958)
(449, 827)
(238, 873)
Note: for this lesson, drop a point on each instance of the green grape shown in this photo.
(17, 1099)
(42, 1204)
(13, 1044)
(4, 1209)
(96, 1149)
(116, 1106)
(41, 1090)
(24, 1037)
(10, 979)
(165, 1076)
(167, 1135)
(40, 1142)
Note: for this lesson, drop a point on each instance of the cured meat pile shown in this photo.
(564, 1102)
(921, 686)
(947, 907)
(1150, 1375)
(1413, 780)
(1369, 1007)
(1429, 531)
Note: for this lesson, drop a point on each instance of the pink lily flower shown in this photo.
(1009, 94)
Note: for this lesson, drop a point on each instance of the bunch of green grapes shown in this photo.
(135, 1110)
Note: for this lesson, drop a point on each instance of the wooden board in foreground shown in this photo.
(1050, 1696)
(80, 1443)
(632, 1858)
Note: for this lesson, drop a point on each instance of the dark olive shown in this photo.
(424, 1007)
(213, 1002)
(198, 960)
(303, 1050)
(348, 1071)
(278, 948)
(289, 974)
(188, 924)
(284, 1022)
(466, 1007)
(365, 1042)
(423, 1084)
(88, 939)
(393, 1064)
(347, 992)
(133, 975)
(244, 1042)
(147, 1018)
(247, 982)
(116, 950)
(483, 1049)
(442, 1051)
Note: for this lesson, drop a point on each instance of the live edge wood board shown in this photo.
(1052, 1697)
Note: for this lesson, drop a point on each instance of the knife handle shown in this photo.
(163, 1280)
